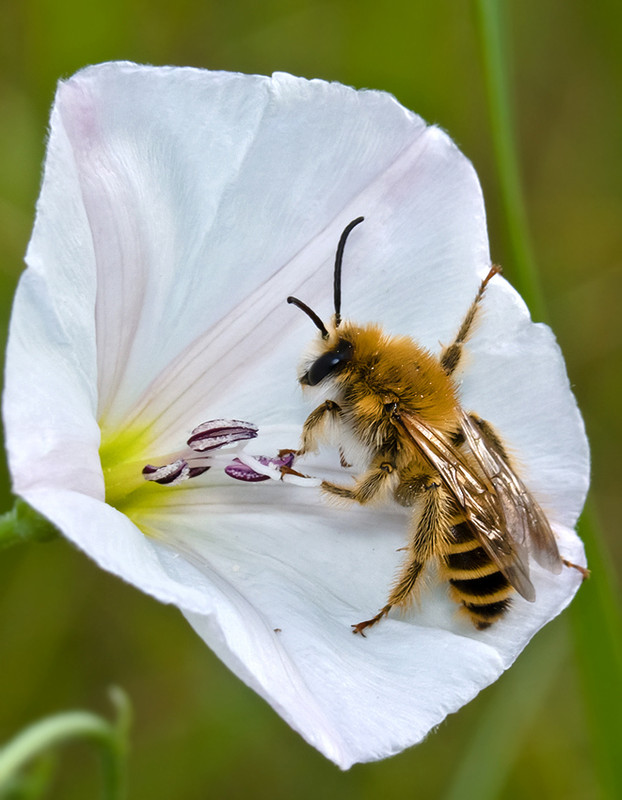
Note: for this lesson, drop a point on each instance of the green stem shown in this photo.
(8, 530)
(597, 629)
(52, 731)
(595, 614)
(505, 722)
(22, 524)
(524, 271)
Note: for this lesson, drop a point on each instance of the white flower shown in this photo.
(179, 209)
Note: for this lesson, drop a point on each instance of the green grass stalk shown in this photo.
(595, 614)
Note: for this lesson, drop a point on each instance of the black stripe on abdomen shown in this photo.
(475, 581)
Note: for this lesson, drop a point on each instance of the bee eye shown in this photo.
(330, 362)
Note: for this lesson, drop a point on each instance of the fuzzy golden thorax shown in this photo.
(383, 370)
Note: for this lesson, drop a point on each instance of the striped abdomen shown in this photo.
(474, 579)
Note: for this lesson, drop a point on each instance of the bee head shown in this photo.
(335, 358)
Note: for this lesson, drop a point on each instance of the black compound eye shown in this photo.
(328, 363)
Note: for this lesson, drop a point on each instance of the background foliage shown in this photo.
(69, 630)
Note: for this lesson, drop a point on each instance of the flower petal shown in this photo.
(290, 594)
(195, 181)
(162, 187)
(50, 400)
(276, 603)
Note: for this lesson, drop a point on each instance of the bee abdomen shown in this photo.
(489, 587)
(468, 564)
(485, 599)
(483, 616)
(475, 581)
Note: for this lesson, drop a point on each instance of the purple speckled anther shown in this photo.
(201, 455)
(218, 432)
(168, 474)
(242, 472)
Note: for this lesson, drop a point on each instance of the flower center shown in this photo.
(123, 456)
(132, 481)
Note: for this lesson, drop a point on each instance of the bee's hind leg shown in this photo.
(360, 626)
(401, 594)
(428, 536)
(585, 573)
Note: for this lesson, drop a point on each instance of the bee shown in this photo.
(471, 512)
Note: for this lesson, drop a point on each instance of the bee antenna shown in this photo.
(338, 262)
(311, 314)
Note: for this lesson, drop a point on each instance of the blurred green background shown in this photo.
(68, 630)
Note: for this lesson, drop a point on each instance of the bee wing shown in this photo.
(523, 515)
(475, 490)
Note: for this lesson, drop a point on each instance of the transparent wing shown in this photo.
(523, 515)
(476, 489)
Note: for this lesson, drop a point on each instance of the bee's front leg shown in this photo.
(379, 479)
(313, 430)
(314, 427)
(451, 355)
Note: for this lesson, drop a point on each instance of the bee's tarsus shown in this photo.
(585, 573)
(451, 355)
(361, 626)
(343, 461)
(494, 270)
(290, 471)
(287, 451)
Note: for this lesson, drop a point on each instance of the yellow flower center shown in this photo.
(123, 456)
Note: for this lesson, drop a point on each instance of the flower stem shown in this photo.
(507, 718)
(46, 733)
(597, 631)
(23, 524)
(524, 270)
(595, 614)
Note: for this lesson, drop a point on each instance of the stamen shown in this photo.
(169, 474)
(204, 440)
(214, 434)
(217, 433)
(243, 472)
(194, 472)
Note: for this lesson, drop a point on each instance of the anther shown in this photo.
(243, 472)
(217, 433)
(169, 474)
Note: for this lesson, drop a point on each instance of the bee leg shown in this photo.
(314, 427)
(400, 595)
(491, 435)
(342, 459)
(372, 484)
(450, 357)
(428, 537)
(360, 626)
(585, 573)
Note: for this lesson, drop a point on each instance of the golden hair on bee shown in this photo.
(472, 514)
